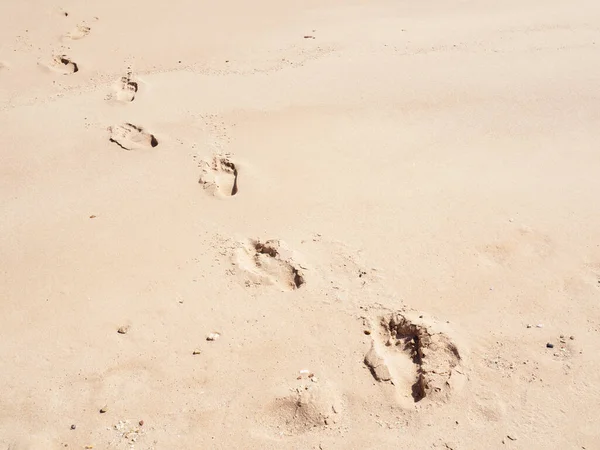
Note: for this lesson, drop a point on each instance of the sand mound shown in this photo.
(308, 406)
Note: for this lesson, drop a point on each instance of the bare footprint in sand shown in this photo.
(79, 32)
(219, 176)
(269, 263)
(125, 89)
(310, 405)
(131, 137)
(420, 363)
(63, 64)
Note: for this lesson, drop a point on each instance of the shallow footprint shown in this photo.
(270, 263)
(131, 137)
(219, 176)
(125, 89)
(79, 32)
(63, 64)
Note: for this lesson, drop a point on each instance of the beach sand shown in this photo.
(300, 225)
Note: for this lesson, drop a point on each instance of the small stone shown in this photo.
(528, 326)
(549, 345)
(141, 422)
(92, 216)
(562, 336)
(103, 409)
(196, 352)
(572, 338)
(539, 325)
(73, 427)
(213, 336)
(123, 330)
(367, 332)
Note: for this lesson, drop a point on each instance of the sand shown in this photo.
(299, 225)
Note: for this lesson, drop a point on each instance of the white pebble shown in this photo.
(213, 336)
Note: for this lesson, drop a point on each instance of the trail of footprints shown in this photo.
(419, 362)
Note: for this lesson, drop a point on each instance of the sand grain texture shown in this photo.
(374, 205)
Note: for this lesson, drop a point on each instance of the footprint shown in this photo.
(420, 363)
(307, 406)
(131, 137)
(270, 263)
(125, 89)
(79, 32)
(219, 176)
(62, 64)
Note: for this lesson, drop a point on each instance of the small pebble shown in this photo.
(528, 326)
(562, 336)
(196, 352)
(103, 409)
(572, 338)
(141, 422)
(549, 345)
(539, 325)
(73, 427)
(123, 330)
(367, 332)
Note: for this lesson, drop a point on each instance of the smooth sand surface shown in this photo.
(300, 225)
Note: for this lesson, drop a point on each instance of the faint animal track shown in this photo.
(131, 137)
(219, 176)
(64, 65)
(125, 89)
(308, 406)
(79, 32)
(523, 243)
(419, 362)
(271, 263)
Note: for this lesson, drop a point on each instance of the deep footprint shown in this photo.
(413, 358)
(132, 137)
(219, 176)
